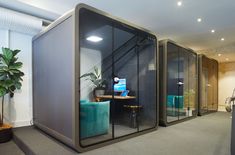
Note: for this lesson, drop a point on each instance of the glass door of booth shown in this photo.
(95, 124)
(192, 84)
(215, 85)
(209, 92)
(117, 79)
(181, 83)
(134, 80)
(174, 84)
(210, 85)
(125, 82)
(204, 90)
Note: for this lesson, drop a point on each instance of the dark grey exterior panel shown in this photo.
(53, 78)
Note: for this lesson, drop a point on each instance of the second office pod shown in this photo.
(178, 86)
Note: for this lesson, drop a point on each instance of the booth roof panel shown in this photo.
(81, 5)
(161, 42)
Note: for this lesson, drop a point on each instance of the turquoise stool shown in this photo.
(94, 118)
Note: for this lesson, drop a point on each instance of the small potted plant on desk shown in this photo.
(95, 78)
(10, 80)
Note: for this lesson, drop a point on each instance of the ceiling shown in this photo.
(164, 17)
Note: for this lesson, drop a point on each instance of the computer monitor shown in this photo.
(120, 86)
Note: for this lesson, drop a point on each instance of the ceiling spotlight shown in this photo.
(227, 59)
(219, 54)
(222, 39)
(94, 38)
(212, 31)
(199, 20)
(179, 3)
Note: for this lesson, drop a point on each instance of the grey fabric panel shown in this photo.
(53, 76)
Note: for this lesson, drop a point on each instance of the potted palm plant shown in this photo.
(98, 82)
(10, 80)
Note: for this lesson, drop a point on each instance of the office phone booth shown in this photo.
(208, 85)
(178, 89)
(96, 76)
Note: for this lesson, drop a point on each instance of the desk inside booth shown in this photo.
(123, 105)
(118, 101)
(115, 97)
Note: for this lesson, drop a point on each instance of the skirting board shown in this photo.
(17, 124)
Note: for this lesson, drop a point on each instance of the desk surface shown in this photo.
(116, 97)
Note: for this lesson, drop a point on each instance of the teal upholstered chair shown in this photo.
(179, 102)
(94, 118)
(174, 104)
(170, 101)
(174, 101)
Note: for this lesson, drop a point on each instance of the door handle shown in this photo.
(180, 83)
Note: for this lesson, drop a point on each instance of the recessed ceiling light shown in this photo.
(227, 59)
(212, 31)
(94, 38)
(222, 39)
(219, 54)
(199, 20)
(179, 3)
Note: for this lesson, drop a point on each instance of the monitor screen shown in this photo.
(120, 85)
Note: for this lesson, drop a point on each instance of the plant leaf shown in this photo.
(10, 73)
(96, 71)
(14, 70)
(85, 75)
(94, 77)
(4, 60)
(18, 85)
(3, 91)
(98, 82)
(2, 77)
(16, 65)
(7, 53)
(15, 52)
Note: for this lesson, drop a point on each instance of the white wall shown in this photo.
(89, 59)
(18, 111)
(16, 32)
(226, 82)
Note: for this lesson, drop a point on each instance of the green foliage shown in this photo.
(189, 97)
(10, 74)
(95, 77)
(189, 93)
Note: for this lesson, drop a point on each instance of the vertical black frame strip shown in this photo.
(113, 101)
(178, 85)
(138, 83)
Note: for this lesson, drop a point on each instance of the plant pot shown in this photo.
(5, 133)
(99, 91)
